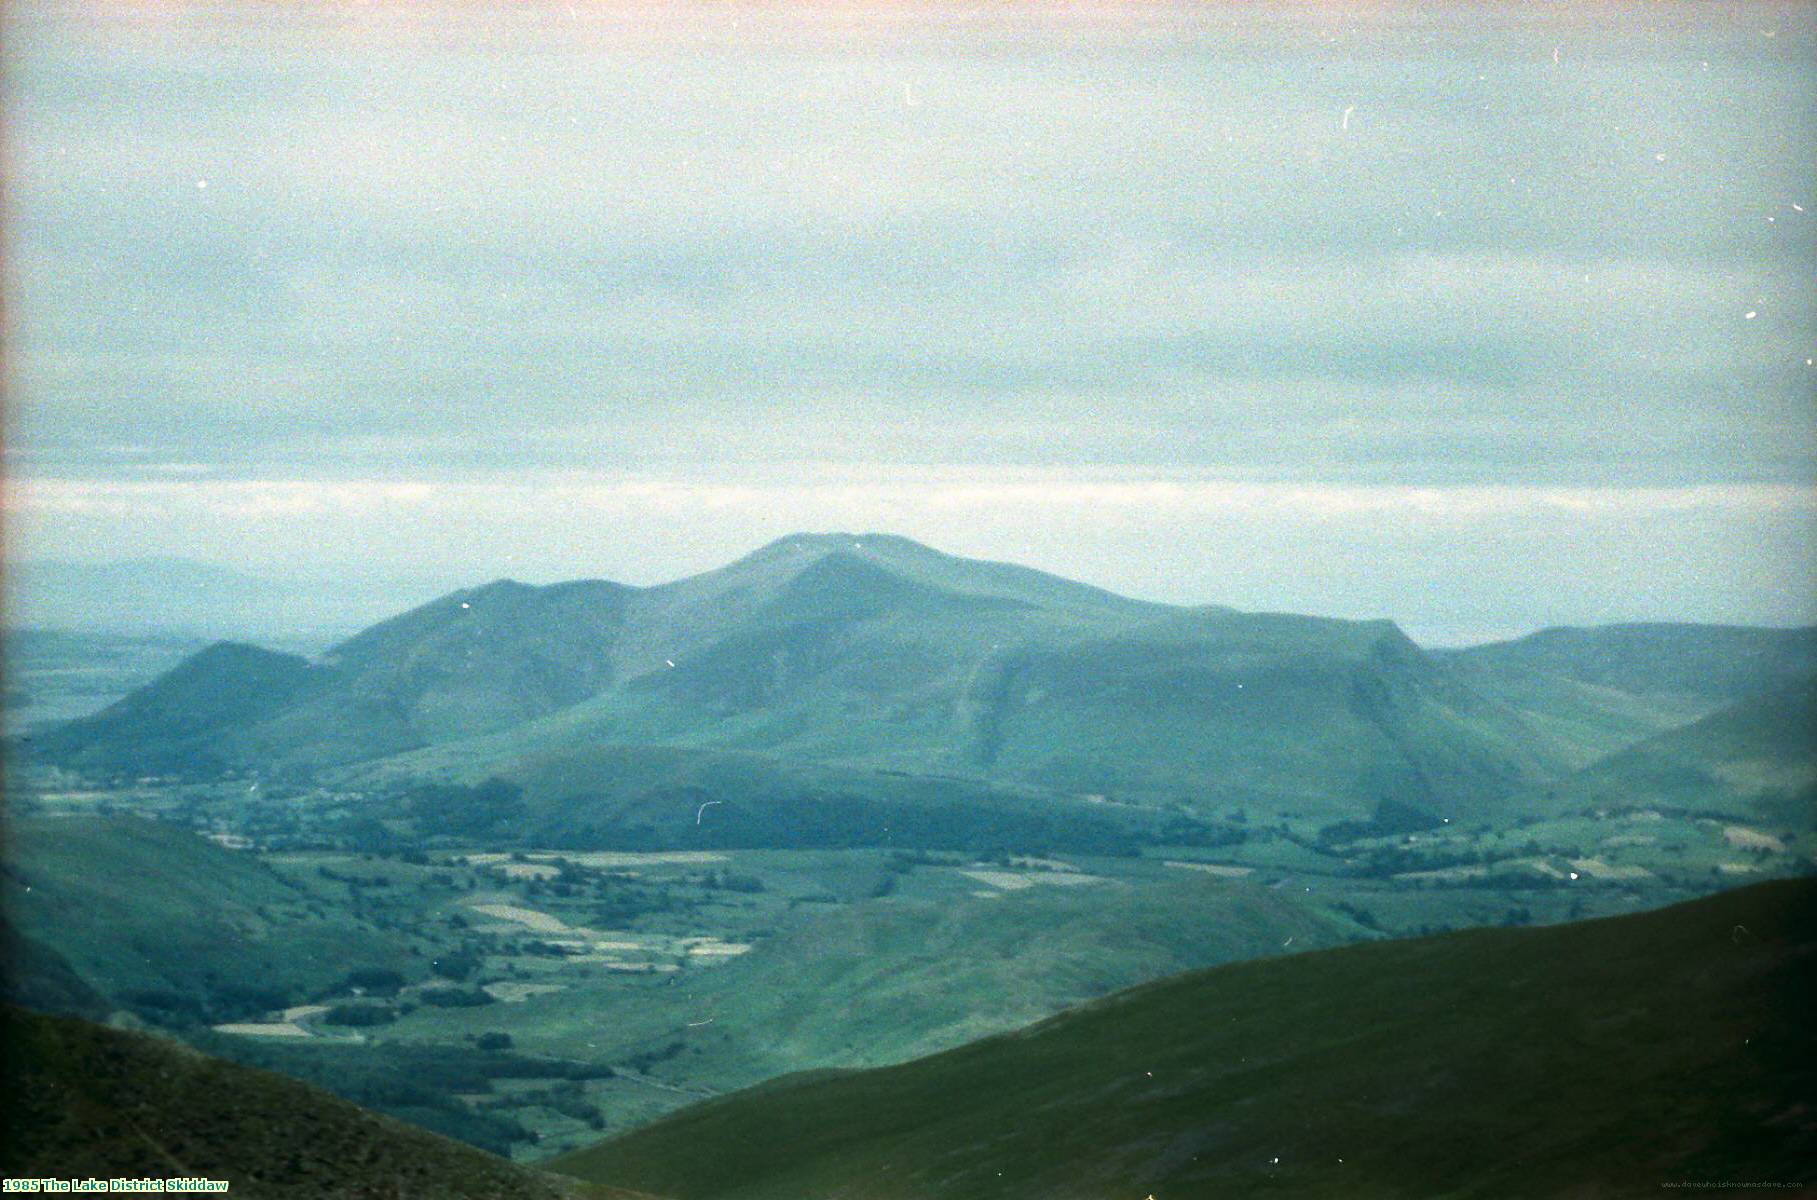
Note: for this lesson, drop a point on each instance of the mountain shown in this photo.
(53, 676)
(874, 653)
(187, 931)
(1601, 1058)
(1599, 690)
(193, 718)
(1751, 761)
(1704, 663)
(85, 1101)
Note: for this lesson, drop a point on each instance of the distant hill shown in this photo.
(84, 1101)
(54, 676)
(160, 921)
(1751, 761)
(872, 652)
(1605, 1058)
(195, 718)
(1598, 690)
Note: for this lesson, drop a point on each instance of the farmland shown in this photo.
(536, 998)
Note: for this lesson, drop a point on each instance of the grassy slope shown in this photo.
(878, 982)
(1602, 1058)
(1754, 761)
(581, 795)
(193, 717)
(136, 904)
(87, 1101)
(1596, 691)
(878, 653)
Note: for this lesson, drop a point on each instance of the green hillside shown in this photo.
(840, 683)
(1594, 692)
(193, 719)
(53, 676)
(867, 653)
(1711, 663)
(34, 976)
(1752, 761)
(881, 981)
(165, 923)
(1603, 1058)
(645, 797)
(85, 1102)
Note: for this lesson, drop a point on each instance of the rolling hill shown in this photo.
(1751, 761)
(1603, 1058)
(1596, 691)
(862, 652)
(85, 1101)
(162, 922)
(881, 981)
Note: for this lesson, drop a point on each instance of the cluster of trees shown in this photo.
(494, 809)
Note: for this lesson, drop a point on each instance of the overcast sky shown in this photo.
(1482, 318)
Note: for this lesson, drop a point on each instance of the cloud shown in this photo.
(1090, 260)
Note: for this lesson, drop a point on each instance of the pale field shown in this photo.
(1743, 838)
(509, 992)
(1043, 864)
(1218, 869)
(527, 917)
(1011, 881)
(304, 1011)
(284, 1029)
(604, 858)
(515, 870)
(1447, 874)
(1596, 868)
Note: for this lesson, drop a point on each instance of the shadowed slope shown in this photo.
(1602, 1058)
(85, 1101)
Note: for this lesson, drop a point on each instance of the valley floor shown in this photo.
(537, 999)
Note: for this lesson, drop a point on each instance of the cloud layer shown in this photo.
(1270, 258)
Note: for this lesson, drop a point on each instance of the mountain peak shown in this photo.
(815, 544)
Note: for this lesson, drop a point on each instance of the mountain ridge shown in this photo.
(873, 652)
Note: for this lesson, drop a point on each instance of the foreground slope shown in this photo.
(86, 1101)
(1602, 1058)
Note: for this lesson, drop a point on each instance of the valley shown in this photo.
(536, 999)
(532, 867)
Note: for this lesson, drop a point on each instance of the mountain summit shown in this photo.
(864, 652)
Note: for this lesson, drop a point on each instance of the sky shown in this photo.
(1480, 317)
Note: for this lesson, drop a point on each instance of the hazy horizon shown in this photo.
(1480, 319)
